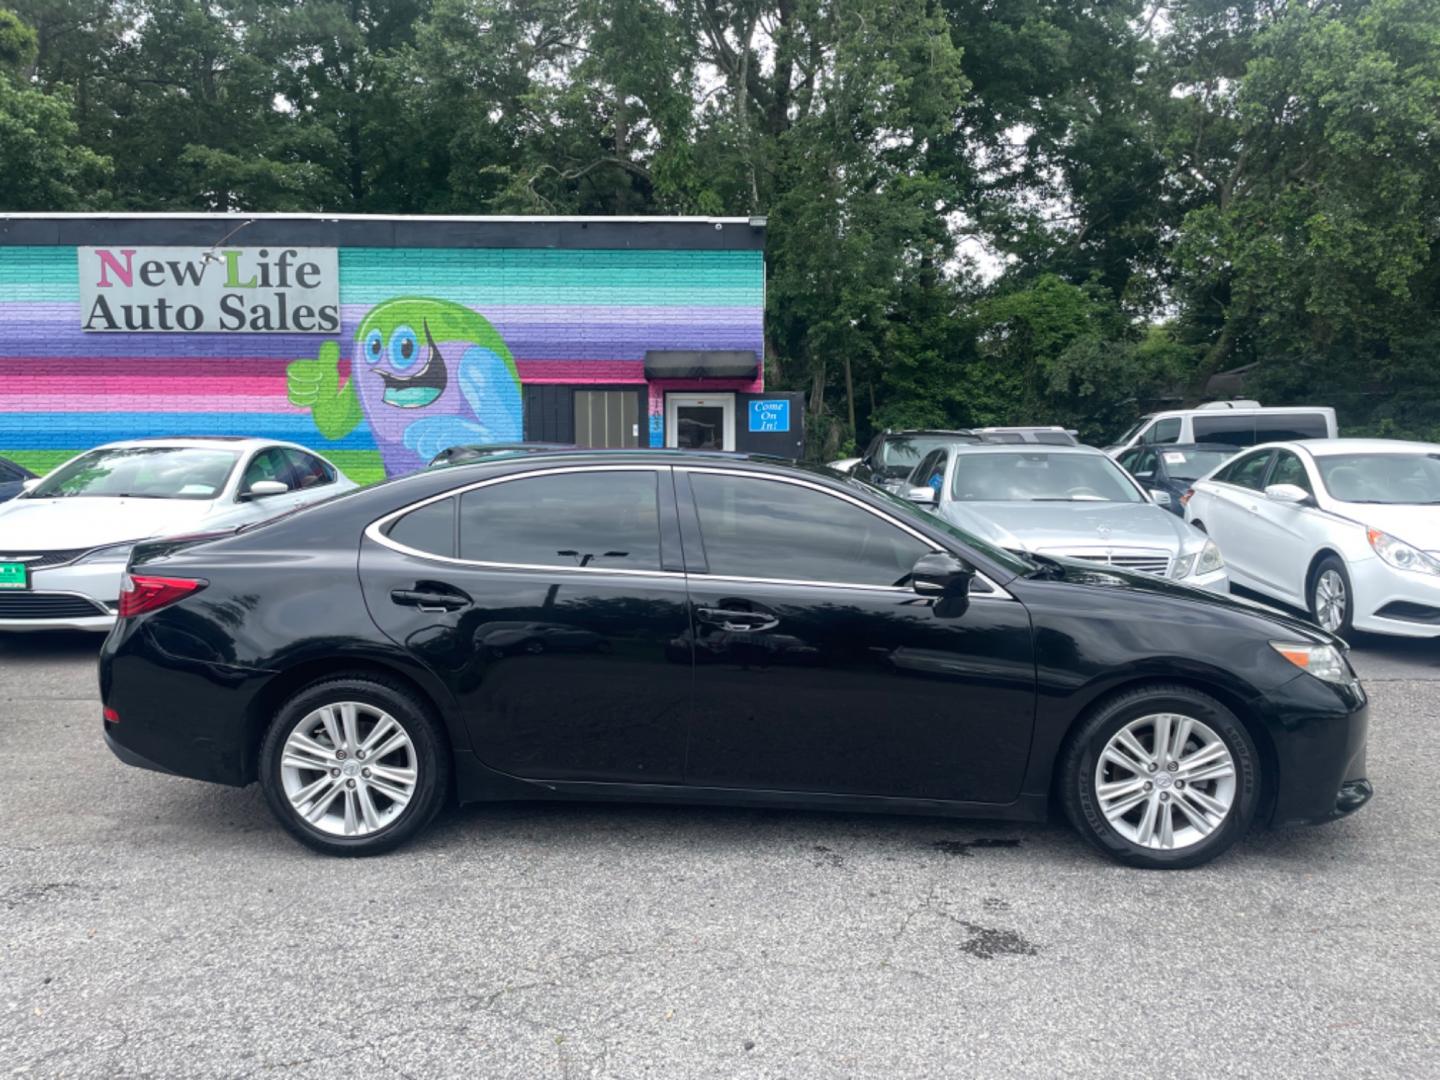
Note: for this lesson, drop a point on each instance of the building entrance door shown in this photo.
(700, 421)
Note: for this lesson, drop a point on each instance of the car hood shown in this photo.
(1418, 525)
(1066, 526)
(69, 524)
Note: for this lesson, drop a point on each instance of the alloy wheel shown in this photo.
(349, 769)
(1165, 781)
(1331, 600)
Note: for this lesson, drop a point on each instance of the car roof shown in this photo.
(1031, 448)
(1186, 446)
(241, 443)
(1330, 447)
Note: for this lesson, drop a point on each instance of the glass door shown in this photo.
(700, 421)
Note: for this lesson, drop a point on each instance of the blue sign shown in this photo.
(770, 415)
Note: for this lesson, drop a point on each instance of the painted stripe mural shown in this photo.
(435, 347)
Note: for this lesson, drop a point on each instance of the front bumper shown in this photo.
(1320, 735)
(1398, 602)
(81, 596)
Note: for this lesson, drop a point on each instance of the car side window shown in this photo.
(594, 518)
(759, 528)
(1163, 431)
(1145, 465)
(1127, 460)
(1289, 469)
(931, 472)
(1248, 471)
(430, 529)
(307, 471)
(268, 464)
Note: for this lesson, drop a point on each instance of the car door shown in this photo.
(552, 602)
(1285, 535)
(818, 668)
(269, 463)
(1230, 516)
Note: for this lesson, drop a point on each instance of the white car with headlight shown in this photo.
(65, 542)
(1348, 529)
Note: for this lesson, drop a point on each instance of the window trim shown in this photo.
(1267, 451)
(374, 531)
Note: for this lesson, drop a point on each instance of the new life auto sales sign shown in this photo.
(269, 290)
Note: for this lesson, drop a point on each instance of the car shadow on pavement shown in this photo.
(50, 644)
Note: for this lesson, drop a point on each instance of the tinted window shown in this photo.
(1145, 465)
(1248, 471)
(1225, 428)
(1289, 427)
(1289, 469)
(430, 529)
(1128, 459)
(307, 470)
(1164, 431)
(769, 529)
(8, 471)
(598, 519)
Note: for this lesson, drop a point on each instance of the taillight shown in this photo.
(1185, 499)
(110, 715)
(140, 593)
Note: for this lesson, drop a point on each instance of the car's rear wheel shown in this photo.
(1331, 598)
(354, 766)
(1161, 777)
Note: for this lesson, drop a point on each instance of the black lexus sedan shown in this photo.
(706, 628)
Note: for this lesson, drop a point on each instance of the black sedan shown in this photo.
(690, 627)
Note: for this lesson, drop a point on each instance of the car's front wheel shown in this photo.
(1331, 599)
(1161, 777)
(354, 766)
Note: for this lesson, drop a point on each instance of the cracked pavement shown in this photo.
(153, 926)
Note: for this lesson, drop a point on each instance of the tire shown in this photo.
(1322, 584)
(381, 820)
(1197, 833)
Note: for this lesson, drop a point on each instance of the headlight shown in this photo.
(1323, 661)
(1181, 568)
(1209, 559)
(1400, 554)
(113, 553)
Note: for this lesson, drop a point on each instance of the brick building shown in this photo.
(381, 340)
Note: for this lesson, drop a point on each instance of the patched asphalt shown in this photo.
(152, 926)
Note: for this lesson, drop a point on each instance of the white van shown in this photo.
(1233, 423)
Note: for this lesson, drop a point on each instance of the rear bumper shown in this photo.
(130, 757)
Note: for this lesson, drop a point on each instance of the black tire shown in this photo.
(1076, 775)
(431, 757)
(1331, 563)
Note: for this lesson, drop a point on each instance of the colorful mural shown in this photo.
(458, 332)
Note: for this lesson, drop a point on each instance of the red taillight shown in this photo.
(1185, 499)
(140, 593)
(110, 715)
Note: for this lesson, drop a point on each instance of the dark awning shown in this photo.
(696, 364)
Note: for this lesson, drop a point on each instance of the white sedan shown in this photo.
(65, 542)
(1348, 529)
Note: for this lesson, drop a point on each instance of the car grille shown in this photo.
(38, 605)
(37, 560)
(1149, 562)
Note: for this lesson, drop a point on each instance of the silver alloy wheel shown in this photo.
(1331, 600)
(1165, 781)
(348, 769)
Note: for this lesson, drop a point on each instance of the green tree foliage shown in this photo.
(980, 212)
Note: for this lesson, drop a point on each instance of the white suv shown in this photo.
(1234, 423)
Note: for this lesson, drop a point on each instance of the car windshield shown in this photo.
(141, 472)
(1132, 431)
(1396, 479)
(899, 454)
(904, 508)
(1039, 476)
(1193, 464)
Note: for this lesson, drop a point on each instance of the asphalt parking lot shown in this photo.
(161, 927)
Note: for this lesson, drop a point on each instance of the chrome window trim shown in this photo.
(374, 531)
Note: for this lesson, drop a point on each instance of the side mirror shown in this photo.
(262, 489)
(32, 484)
(942, 575)
(1160, 498)
(921, 496)
(1290, 494)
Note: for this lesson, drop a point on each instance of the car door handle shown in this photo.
(432, 603)
(726, 619)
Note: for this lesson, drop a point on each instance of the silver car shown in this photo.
(1068, 501)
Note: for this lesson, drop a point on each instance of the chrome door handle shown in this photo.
(736, 621)
(429, 602)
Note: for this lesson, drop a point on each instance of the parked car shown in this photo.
(12, 479)
(858, 654)
(1348, 529)
(1066, 501)
(1235, 423)
(64, 542)
(464, 455)
(892, 455)
(1052, 435)
(1167, 472)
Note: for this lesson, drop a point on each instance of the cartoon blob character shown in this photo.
(426, 374)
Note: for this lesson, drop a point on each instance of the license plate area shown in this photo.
(14, 575)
